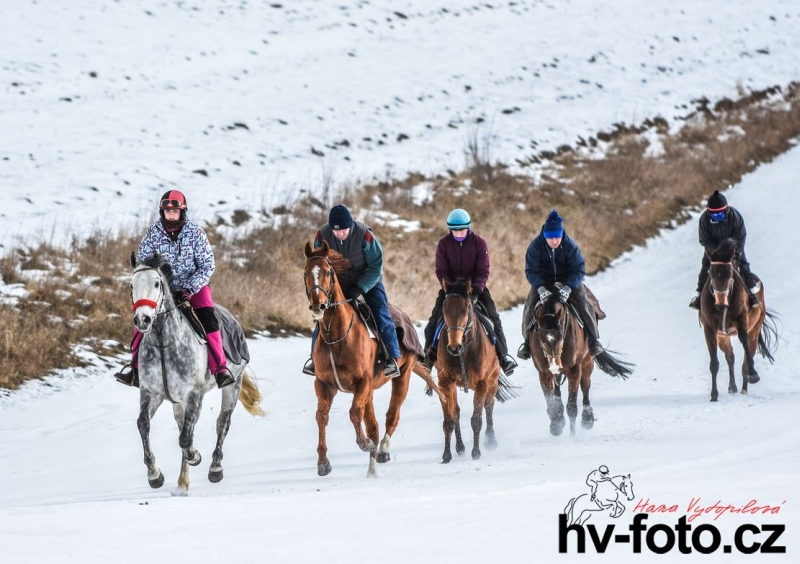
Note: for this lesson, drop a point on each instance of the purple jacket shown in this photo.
(468, 259)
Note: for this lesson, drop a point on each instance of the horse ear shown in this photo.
(307, 249)
(133, 259)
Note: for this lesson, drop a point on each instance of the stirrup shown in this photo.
(130, 378)
(308, 367)
(753, 301)
(391, 370)
(224, 377)
(695, 302)
(508, 364)
(524, 351)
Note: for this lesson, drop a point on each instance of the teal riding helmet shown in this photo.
(458, 219)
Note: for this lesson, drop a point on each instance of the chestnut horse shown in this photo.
(346, 360)
(559, 349)
(467, 357)
(724, 312)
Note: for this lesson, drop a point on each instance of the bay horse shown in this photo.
(559, 350)
(724, 312)
(467, 358)
(346, 360)
(173, 366)
(609, 493)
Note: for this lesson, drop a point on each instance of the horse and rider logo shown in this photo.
(606, 497)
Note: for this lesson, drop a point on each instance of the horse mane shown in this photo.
(548, 320)
(724, 251)
(158, 262)
(460, 287)
(339, 262)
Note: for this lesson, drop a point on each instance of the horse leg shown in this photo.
(399, 393)
(572, 399)
(491, 392)
(752, 342)
(587, 415)
(362, 396)
(189, 455)
(478, 401)
(179, 414)
(713, 365)
(230, 395)
(147, 408)
(371, 423)
(748, 366)
(450, 415)
(325, 394)
(724, 343)
(552, 397)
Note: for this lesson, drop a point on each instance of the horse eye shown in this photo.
(158, 284)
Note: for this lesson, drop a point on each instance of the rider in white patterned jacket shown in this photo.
(184, 245)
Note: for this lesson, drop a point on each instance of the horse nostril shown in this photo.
(322, 307)
(146, 319)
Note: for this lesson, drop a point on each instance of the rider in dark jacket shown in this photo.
(554, 259)
(463, 254)
(356, 242)
(719, 222)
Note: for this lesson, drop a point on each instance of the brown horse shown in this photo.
(346, 360)
(724, 312)
(559, 349)
(467, 357)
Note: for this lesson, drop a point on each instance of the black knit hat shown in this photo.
(717, 202)
(340, 218)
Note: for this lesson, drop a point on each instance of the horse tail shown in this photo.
(425, 373)
(505, 389)
(569, 509)
(610, 364)
(768, 337)
(250, 396)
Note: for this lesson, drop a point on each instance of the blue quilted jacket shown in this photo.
(191, 257)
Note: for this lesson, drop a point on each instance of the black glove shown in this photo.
(183, 296)
(544, 293)
(563, 293)
(352, 293)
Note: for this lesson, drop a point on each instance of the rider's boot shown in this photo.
(217, 361)
(695, 301)
(128, 375)
(308, 367)
(391, 369)
(524, 350)
(752, 298)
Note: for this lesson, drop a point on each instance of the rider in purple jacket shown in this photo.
(462, 253)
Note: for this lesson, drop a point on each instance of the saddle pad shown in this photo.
(406, 333)
(233, 339)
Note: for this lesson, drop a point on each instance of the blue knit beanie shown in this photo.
(553, 227)
(340, 218)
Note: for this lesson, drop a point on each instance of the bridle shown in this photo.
(562, 329)
(329, 304)
(464, 329)
(713, 291)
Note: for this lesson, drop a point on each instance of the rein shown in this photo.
(562, 327)
(465, 329)
(330, 306)
(728, 293)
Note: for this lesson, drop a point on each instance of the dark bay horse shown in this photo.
(346, 360)
(559, 349)
(467, 358)
(724, 313)
(173, 366)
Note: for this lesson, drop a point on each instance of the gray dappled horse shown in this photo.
(173, 365)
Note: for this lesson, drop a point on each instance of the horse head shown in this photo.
(626, 487)
(721, 272)
(322, 286)
(150, 290)
(457, 312)
(551, 330)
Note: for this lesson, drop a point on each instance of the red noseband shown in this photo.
(141, 303)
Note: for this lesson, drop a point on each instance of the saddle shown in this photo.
(406, 334)
(234, 342)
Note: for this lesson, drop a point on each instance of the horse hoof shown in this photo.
(733, 390)
(556, 429)
(366, 445)
(460, 450)
(180, 492)
(753, 378)
(587, 420)
(744, 392)
(194, 461)
(713, 399)
(215, 476)
(324, 469)
(446, 458)
(476, 455)
(491, 443)
(158, 482)
(383, 457)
